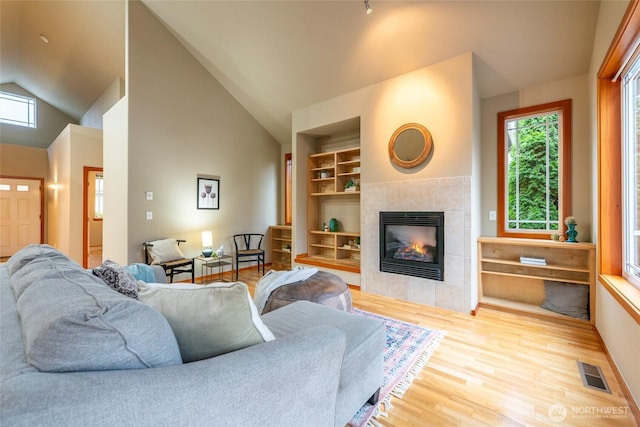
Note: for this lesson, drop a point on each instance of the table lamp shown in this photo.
(207, 242)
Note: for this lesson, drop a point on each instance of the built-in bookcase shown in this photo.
(511, 275)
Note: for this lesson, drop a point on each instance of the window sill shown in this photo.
(627, 295)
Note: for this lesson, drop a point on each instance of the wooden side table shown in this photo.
(208, 264)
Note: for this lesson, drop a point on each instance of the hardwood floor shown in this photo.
(498, 369)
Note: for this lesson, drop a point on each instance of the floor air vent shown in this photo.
(592, 377)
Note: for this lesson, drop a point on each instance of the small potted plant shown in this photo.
(350, 186)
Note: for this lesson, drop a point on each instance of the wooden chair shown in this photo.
(248, 249)
(171, 268)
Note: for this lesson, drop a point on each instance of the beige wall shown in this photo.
(443, 98)
(93, 117)
(575, 88)
(74, 148)
(619, 331)
(181, 123)
(21, 161)
(49, 120)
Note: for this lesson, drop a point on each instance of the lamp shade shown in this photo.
(207, 239)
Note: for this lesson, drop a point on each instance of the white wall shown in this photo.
(115, 224)
(181, 123)
(619, 331)
(74, 148)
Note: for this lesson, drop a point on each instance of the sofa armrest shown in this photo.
(161, 276)
(292, 381)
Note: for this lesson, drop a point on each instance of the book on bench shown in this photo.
(532, 260)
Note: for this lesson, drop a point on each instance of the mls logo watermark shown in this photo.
(559, 413)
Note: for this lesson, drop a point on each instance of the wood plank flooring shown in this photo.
(499, 369)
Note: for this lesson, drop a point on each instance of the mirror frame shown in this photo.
(428, 146)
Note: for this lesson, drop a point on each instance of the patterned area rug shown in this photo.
(408, 350)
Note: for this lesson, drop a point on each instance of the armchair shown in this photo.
(167, 254)
(248, 249)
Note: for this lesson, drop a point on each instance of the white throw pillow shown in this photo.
(207, 320)
(165, 250)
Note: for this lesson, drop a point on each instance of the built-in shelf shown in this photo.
(329, 172)
(280, 247)
(506, 283)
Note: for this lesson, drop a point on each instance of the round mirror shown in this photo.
(410, 145)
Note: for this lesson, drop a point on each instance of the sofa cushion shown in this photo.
(71, 321)
(365, 337)
(50, 262)
(208, 320)
(164, 250)
(30, 253)
(117, 278)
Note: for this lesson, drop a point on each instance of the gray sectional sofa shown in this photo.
(74, 352)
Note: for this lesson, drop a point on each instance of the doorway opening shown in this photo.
(93, 208)
(21, 213)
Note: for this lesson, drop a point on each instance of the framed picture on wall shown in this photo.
(208, 193)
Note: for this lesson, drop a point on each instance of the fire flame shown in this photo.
(415, 248)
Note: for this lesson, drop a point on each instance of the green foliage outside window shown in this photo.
(533, 179)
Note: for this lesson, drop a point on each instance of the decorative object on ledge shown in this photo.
(410, 145)
(333, 225)
(570, 222)
(208, 193)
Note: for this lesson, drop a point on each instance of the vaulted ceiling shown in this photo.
(277, 56)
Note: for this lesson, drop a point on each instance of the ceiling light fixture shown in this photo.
(44, 38)
(367, 7)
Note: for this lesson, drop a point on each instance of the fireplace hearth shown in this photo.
(412, 243)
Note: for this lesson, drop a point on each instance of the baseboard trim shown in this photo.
(623, 385)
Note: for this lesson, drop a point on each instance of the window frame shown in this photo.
(564, 166)
(31, 110)
(609, 150)
(629, 87)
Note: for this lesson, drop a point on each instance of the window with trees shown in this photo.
(534, 170)
(630, 171)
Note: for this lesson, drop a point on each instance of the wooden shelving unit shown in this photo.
(280, 246)
(506, 283)
(328, 174)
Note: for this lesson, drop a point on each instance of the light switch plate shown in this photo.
(149, 195)
(492, 215)
(149, 216)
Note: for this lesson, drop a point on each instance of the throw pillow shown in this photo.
(72, 322)
(207, 320)
(570, 299)
(165, 250)
(117, 278)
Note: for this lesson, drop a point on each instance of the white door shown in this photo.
(20, 211)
